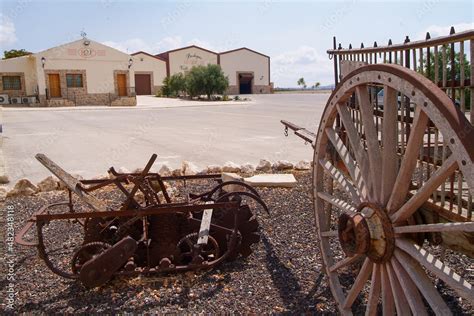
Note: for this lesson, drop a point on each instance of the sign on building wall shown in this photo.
(191, 60)
(86, 52)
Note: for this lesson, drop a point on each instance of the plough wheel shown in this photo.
(367, 188)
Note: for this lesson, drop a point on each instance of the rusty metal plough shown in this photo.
(151, 234)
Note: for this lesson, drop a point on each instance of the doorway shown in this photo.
(122, 85)
(143, 84)
(245, 83)
(54, 86)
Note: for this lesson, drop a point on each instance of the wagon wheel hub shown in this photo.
(368, 232)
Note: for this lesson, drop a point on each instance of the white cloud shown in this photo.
(306, 62)
(137, 44)
(442, 30)
(7, 31)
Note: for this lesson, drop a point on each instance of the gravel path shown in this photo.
(283, 275)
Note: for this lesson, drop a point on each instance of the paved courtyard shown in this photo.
(88, 140)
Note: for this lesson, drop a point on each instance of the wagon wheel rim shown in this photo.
(372, 227)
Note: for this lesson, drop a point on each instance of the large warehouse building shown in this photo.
(87, 72)
(248, 71)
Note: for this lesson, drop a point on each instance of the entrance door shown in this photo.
(245, 83)
(54, 86)
(142, 84)
(122, 85)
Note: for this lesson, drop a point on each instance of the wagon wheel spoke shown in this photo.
(349, 163)
(359, 283)
(340, 178)
(344, 206)
(407, 167)
(440, 175)
(389, 142)
(372, 140)
(401, 303)
(412, 295)
(344, 263)
(357, 147)
(438, 268)
(426, 287)
(388, 304)
(375, 289)
(440, 227)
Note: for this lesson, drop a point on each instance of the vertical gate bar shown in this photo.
(445, 66)
(414, 61)
(460, 189)
(453, 73)
(471, 42)
(335, 62)
(462, 77)
(420, 62)
(436, 65)
(435, 159)
(443, 185)
(428, 62)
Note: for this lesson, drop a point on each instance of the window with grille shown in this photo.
(74, 80)
(11, 82)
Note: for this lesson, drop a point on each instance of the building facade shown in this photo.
(248, 71)
(85, 72)
(82, 72)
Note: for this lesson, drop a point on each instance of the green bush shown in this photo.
(208, 80)
(177, 84)
(165, 89)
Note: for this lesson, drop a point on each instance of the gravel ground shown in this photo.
(283, 275)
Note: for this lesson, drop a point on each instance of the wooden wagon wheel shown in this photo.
(364, 212)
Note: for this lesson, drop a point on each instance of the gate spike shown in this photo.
(350, 46)
(407, 40)
(361, 45)
(451, 31)
(375, 44)
(428, 36)
(389, 42)
(340, 46)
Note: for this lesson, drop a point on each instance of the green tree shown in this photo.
(165, 89)
(316, 85)
(301, 83)
(208, 80)
(12, 53)
(177, 84)
(429, 72)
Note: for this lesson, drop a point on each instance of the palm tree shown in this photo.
(301, 82)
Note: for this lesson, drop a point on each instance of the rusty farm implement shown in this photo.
(393, 175)
(150, 234)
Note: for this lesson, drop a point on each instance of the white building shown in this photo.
(85, 72)
(78, 73)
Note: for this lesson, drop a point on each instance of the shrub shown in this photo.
(208, 80)
(177, 84)
(165, 89)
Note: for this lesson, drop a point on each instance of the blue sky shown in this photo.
(295, 34)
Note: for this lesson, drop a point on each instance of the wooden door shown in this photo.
(122, 85)
(54, 86)
(143, 84)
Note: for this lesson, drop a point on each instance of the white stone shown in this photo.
(264, 165)
(23, 187)
(4, 179)
(48, 184)
(247, 168)
(229, 176)
(188, 168)
(165, 171)
(282, 165)
(123, 170)
(3, 194)
(303, 165)
(272, 180)
(214, 169)
(229, 166)
(177, 172)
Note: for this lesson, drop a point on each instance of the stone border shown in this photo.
(25, 187)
